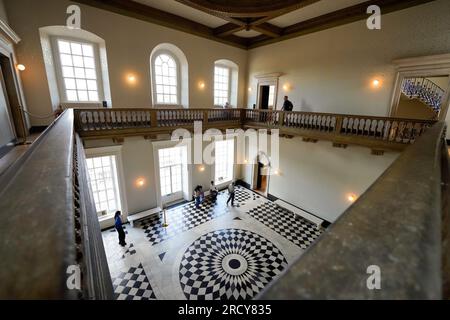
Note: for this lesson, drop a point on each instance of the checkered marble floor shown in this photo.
(214, 252)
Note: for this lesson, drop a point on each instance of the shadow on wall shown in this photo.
(305, 107)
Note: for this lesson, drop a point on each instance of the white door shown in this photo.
(6, 129)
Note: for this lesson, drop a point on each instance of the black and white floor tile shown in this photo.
(214, 252)
(133, 285)
(230, 264)
(294, 228)
(182, 218)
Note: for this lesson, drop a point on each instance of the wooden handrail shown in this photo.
(48, 222)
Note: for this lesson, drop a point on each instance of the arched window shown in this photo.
(166, 79)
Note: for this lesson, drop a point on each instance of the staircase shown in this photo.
(424, 90)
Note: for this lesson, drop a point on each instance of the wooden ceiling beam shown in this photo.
(145, 13)
(336, 18)
(227, 29)
(268, 29)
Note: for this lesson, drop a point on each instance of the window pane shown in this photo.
(78, 71)
(92, 85)
(166, 79)
(90, 74)
(88, 51)
(93, 96)
(81, 84)
(78, 61)
(103, 180)
(71, 95)
(221, 85)
(76, 48)
(224, 161)
(64, 47)
(68, 72)
(89, 63)
(70, 84)
(66, 60)
(83, 96)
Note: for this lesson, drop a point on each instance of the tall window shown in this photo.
(166, 79)
(79, 71)
(221, 85)
(170, 169)
(104, 184)
(224, 161)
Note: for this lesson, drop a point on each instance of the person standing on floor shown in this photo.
(119, 228)
(213, 190)
(231, 194)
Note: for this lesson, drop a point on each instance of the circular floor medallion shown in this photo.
(229, 264)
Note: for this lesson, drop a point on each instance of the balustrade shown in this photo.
(389, 130)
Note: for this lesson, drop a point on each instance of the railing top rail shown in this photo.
(36, 233)
(260, 110)
(395, 225)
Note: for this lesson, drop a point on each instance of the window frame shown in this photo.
(233, 148)
(59, 73)
(171, 166)
(230, 74)
(155, 55)
(117, 152)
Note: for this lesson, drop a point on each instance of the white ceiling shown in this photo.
(314, 10)
(184, 11)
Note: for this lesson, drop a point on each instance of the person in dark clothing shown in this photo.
(231, 194)
(213, 191)
(119, 228)
(287, 105)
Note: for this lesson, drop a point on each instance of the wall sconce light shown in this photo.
(276, 172)
(246, 161)
(352, 197)
(131, 78)
(140, 182)
(21, 67)
(286, 87)
(249, 89)
(201, 85)
(376, 83)
(201, 168)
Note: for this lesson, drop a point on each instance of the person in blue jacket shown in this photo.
(119, 228)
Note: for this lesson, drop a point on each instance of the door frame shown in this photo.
(269, 79)
(186, 170)
(427, 66)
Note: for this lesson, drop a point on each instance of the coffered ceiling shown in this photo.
(249, 23)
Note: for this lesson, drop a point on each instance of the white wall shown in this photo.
(129, 43)
(319, 178)
(331, 70)
(138, 161)
(3, 15)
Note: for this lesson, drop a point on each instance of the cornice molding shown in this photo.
(6, 29)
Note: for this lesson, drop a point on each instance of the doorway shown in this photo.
(262, 179)
(267, 97)
(7, 130)
(12, 123)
